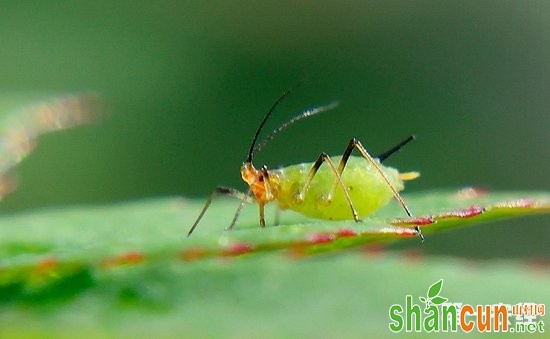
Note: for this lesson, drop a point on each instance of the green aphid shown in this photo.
(346, 187)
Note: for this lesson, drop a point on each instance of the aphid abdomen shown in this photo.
(366, 187)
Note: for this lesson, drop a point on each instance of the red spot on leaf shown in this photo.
(321, 238)
(517, 203)
(128, 258)
(46, 265)
(133, 257)
(238, 249)
(346, 232)
(193, 253)
(298, 251)
(417, 221)
(402, 231)
(464, 213)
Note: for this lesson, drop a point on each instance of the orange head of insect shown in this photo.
(261, 184)
(249, 173)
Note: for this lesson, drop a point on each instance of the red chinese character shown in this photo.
(529, 309)
(540, 309)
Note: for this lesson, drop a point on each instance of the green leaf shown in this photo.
(438, 300)
(435, 289)
(132, 269)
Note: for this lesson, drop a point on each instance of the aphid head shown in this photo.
(249, 173)
(305, 114)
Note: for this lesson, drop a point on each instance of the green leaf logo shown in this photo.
(435, 289)
(439, 300)
(433, 297)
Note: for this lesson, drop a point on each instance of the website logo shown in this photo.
(437, 314)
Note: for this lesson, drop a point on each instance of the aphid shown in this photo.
(357, 187)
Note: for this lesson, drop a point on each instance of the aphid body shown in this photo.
(367, 189)
(346, 187)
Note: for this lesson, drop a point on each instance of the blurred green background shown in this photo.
(188, 83)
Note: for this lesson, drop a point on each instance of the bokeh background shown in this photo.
(189, 81)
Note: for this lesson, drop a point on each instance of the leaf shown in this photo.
(23, 118)
(435, 289)
(422, 299)
(132, 269)
(438, 300)
(131, 233)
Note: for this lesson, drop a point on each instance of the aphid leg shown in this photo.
(354, 143)
(265, 178)
(244, 199)
(268, 194)
(219, 190)
(261, 205)
(385, 155)
(325, 158)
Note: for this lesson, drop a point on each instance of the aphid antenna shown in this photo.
(305, 114)
(268, 114)
(254, 148)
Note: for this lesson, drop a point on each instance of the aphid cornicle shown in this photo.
(355, 188)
